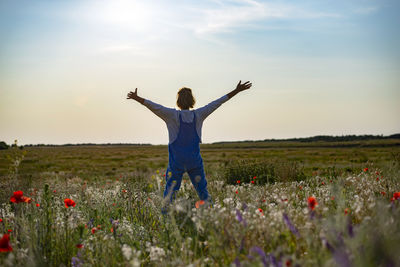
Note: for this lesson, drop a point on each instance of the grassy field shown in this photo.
(90, 162)
(117, 192)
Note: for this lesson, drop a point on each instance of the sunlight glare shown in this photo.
(127, 14)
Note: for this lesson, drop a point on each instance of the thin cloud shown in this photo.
(230, 16)
(366, 10)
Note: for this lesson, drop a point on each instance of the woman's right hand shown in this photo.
(132, 95)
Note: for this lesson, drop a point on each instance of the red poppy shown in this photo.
(9, 230)
(346, 211)
(37, 205)
(79, 245)
(199, 203)
(383, 193)
(365, 169)
(332, 198)
(237, 192)
(377, 173)
(396, 196)
(322, 183)
(377, 178)
(252, 182)
(238, 181)
(19, 197)
(5, 244)
(254, 177)
(260, 210)
(69, 202)
(312, 202)
(94, 229)
(300, 187)
(1, 220)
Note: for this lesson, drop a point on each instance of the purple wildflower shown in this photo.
(289, 224)
(76, 262)
(312, 215)
(261, 253)
(237, 262)
(341, 258)
(350, 228)
(244, 206)
(327, 245)
(272, 260)
(239, 217)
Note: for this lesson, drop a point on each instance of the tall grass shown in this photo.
(118, 221)
(262, 172)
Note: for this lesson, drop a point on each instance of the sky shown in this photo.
(317, 67)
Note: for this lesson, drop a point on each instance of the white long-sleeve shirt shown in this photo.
(171, 115)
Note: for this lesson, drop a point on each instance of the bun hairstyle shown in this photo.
(185, 99)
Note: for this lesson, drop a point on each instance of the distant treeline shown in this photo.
(323, 138)
(3, 145)
(94, 144)
(318, 138)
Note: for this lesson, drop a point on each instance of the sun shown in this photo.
(126, 14)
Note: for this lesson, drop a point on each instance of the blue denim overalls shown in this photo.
(184, 156)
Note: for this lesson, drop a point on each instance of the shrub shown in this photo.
(3, 145)
(264, 171)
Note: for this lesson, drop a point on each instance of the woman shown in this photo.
(184, 130)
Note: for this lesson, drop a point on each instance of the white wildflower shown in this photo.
(126, 251)
(156, 253)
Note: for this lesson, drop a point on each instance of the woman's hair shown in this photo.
(185, 99)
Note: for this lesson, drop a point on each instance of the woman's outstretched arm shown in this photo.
(240, 87)
(164, 113)
(134, 95)
(205, 111)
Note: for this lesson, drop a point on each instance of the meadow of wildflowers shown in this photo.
(347, 220)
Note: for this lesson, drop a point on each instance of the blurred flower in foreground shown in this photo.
(199, 203)
(261, 253)
(239, 217)
(290, 225)
(312, 202)
(69, 202)
(19, 197)
(5, 244)
(396, 196)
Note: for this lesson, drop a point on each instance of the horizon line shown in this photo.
(366, 136)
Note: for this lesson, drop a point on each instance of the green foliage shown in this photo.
(117, 219)
(3, 145)
(264, 171)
